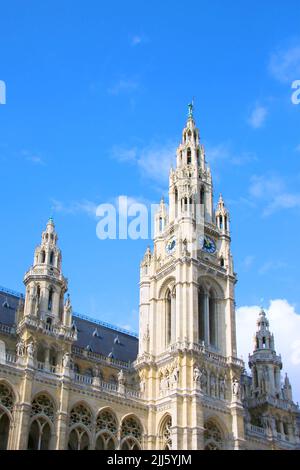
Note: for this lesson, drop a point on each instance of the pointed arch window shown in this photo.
(42, 412)
(50, 299)
(212, 319)
(51, 259)
(189, 156)
(43, 256)
(201, 315)
(6, 407)
(202, 195)
(168, 317)
(166, 434)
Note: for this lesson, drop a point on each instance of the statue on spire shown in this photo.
(191, 108)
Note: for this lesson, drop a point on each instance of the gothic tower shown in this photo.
(44, 325)
(269, 401)
(187, 349)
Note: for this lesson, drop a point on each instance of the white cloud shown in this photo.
(75, 207)
(285, 324)
(32, 157)
(135, 40)
(285, 64)
(271, 190)
(223, 152)
(154, 162)
(258, 116)
(271, 266)
(123, 86)
(248, 261)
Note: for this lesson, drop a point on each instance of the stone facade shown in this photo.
(66, 384)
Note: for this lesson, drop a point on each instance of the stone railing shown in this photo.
(11, 358)
(100, 358)
(84, 379)
(52, 330)
(276, 402)
(256, 430)
(9, 330)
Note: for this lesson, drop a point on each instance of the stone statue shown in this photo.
(30, 349)
(197, 374)
(236, 388)
(21, 348)
(176, 374)
(66, 360)
(222, 387)
(121, 378)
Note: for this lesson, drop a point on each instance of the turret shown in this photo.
(264, 363)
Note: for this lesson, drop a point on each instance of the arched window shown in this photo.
(50, 299)
(78, 439)
(202, 195)
(226, 222)
(43, 256)
(201, 315)
(166, 434)
(6, 408)
(42, 413)
(212, 319)
(107, 427)
(51, 259)
(131, 434)
(4, 429)
(189, 156)
(222, 262)
(168, 317)
(81, 417)
(213, 439)
(176, 202)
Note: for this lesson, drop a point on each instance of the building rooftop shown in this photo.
(93, 335)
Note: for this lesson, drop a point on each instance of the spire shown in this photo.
(191, 109)
(222, 216)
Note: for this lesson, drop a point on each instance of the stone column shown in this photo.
(62, 415)
(22, 412)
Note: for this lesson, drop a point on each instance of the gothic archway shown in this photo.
(165, 433)
(41, 427)
(7, 399)
(106, 430)
(213, 436)
(80, 427)
(131, 434)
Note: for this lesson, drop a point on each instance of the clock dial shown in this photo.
(207, 244)
(171, 245)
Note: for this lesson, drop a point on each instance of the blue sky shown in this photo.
(97, 96)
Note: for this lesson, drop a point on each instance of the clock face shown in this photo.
(207, 244)
(171, 245)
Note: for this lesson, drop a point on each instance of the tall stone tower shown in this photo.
(187, 349)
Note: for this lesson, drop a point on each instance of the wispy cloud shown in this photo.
(284, 64)
(271, 266)
(257, 116)
(248, 261)
(75, 207)
(224, 152)
(33, 158)
(154, 161)
(123, 85)
(271, 191)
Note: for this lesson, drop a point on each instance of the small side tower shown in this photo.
(44, 323)
(269, 402)
(264, 363)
